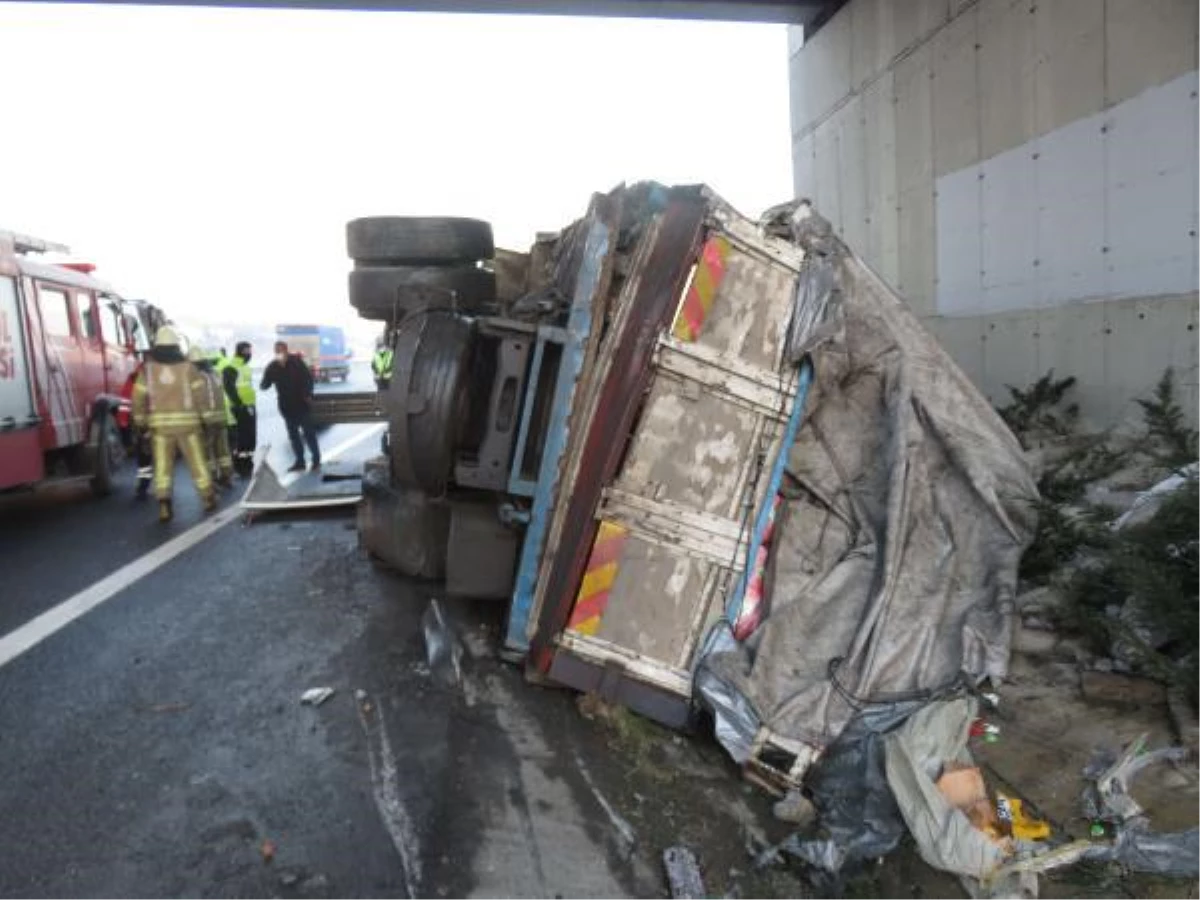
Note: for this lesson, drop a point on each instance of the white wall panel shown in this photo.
(1150, 248)
(1009, 231)
(959, 286)
(1072, 263)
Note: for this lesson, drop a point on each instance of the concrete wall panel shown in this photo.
(1072, 341)
(852, 157)
(1133, 327)
(1009, 232)
(959, 223)
(795, 34)
(882, 250)
(914, 122)
(1071, 240)
(1076, 250)
(1069, 79)
(914, 20)
(917, 242)
(1010, 355)
(869, 44)
(827, 193)
(1007, 66)
(1148, 42)
(1151, 182)
(804, 175)
(826, 71)
(963, 339)
(798, 111)
(955, 99)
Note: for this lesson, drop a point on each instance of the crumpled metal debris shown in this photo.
(683, 873)
(316, 696)
(1107, 795)
(1137, 846)
(443, 650)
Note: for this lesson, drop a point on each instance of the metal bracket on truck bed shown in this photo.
(361, 407)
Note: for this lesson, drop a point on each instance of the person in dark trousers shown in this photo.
(293, 383)
(239, 388)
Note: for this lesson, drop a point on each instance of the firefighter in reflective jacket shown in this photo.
(212, 416)
(381, 364)
(220, 362)
(166, 401)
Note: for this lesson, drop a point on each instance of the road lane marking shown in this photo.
(385, 789)
(58, 617)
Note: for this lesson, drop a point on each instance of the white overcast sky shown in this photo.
(208, 159)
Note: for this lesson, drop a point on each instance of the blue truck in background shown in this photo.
(323, 347)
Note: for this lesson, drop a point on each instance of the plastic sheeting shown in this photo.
(860, 820)
(917, 754)
(908, 504)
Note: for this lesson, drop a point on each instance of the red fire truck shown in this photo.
(68, 342)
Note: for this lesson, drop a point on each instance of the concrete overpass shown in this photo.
(809, 14)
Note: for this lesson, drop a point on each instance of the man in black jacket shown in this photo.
(293, 383)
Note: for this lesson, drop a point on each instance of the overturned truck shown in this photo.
(707, 462)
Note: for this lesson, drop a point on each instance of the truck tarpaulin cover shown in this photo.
(906, 508)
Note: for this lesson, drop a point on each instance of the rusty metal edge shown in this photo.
(660, 285)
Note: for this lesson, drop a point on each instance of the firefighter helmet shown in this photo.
(166, 337)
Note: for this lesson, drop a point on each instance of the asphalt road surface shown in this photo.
(153, 743)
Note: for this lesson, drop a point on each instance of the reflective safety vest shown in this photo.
(167, 397)
(245, 382)
(381, 365)
(211, 400)
(221, 362)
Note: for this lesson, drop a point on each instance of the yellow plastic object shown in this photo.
(1024, 826)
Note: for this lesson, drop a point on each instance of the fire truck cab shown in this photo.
(68, 343)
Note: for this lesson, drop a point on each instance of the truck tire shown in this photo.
(378, 292)
(105, 452)
(410, 240)
(427, 397)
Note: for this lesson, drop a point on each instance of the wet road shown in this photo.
(156, 746)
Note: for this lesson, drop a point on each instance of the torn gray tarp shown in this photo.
(907, 506)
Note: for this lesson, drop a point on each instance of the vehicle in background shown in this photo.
(323, 347)
(68, 343)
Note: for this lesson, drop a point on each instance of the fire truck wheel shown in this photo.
(418, 241)
(106, 453)
(378, 292)
(427, 398)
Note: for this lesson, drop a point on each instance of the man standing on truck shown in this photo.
(381, 364)
(239, 388)
(293, 383)
(165, 401)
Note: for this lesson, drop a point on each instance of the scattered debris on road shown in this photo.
(443, 650)
(683, 874)
(316, 696)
